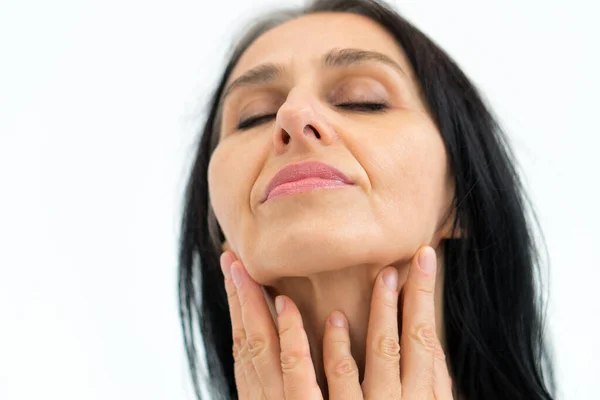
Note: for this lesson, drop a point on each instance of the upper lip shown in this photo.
(303, 170)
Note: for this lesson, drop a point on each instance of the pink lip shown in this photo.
(305, 176)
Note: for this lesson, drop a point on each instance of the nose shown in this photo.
(300, 123)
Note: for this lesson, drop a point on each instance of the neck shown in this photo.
(348, 290)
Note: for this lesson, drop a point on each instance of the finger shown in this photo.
(382, 367)
(239, 334)
(240, 378)
(253, 385)
(442, 383)
(262, 342)
(340, 367)
(299, 380)
(418, 340)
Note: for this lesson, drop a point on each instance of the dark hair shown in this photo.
(493, 309)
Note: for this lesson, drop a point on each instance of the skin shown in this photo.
(275, 363)
(324, 249)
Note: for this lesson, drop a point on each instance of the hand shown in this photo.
(274, 363)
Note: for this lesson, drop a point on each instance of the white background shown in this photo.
(100, 103)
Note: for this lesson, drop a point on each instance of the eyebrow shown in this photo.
(335, 58)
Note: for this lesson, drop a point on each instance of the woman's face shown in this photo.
(395, 156)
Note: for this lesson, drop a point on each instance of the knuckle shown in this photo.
(343, 367)
(292, 359)
(388, 300)
(239, 340)
(424, 335)
(387, 347)
(439, 353)
(285, 331)
(236, 351)
(257, 346)
(239, 336)
(231, 295)
(425, 290)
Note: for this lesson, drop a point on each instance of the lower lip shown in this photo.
(303, 185)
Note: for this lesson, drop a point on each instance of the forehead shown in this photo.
(301, 41)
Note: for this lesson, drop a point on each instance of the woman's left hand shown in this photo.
(275, 365)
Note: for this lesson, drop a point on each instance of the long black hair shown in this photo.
(493, 293)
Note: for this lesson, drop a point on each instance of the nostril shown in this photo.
(315, 131)
(286, 137)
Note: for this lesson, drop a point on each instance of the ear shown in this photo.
(445, 231)
(226, 246)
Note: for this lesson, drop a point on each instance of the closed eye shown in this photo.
(361, 107)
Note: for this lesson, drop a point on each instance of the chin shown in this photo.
(306, 249)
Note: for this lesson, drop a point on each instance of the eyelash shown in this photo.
(366, 107)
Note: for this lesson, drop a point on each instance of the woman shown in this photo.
(353, 184)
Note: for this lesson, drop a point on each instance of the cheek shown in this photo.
(408, 172)
(225, 187)
(232, 173)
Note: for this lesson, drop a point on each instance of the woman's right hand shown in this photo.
(275, 364)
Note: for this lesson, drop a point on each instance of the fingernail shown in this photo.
(226, 261)
(279, 304)
(427, 261)
(390, 278)
(236, 274)
(337, 319)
